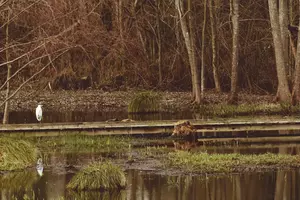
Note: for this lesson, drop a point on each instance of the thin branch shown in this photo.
(21, 56)
(29, 79)
(245, 20)
(48, 40)
(28, 63)
(19, 13)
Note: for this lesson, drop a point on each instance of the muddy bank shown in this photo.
(69, 154)
(98, 100)
(162, 158)
(160, 164)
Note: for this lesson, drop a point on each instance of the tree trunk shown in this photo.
(188, 35)
(292, 48)
(235, 52)
(213, 45)
(119, 27)
(296, 87)
(202, 48)
(159, 63)
(283, 22)
(197, 82)
(283, 93)
(6, 107)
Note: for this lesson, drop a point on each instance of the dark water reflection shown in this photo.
(275, 185)
(291, 149)
(194, 146)
(272, 185)
(141, 185)
(80, 116)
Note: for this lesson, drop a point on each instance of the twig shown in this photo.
(24, 83)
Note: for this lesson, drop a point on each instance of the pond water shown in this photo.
(157, 186)
(142, 185)
(80, 116)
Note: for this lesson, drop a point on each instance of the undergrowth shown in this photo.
(95, 176)
(225, 163)
(82, 143)
(144, 102)
(226, 110)
(16, 153)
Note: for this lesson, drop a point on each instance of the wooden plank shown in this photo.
(249, 140)
(256, 127)
(148, 127)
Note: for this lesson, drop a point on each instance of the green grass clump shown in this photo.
(16, 154)
(225, 163)
(95, 194)
(154, 151)
(106, 176)
(82, 143)
(145, 102)
(18, 180)
(225, 110)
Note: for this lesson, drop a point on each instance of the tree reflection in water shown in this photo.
(142, 185)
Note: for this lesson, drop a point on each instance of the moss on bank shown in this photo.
(13, 180)
(103, 195)
(82, 143)
(226, 163)
(100, 144)
(144, 102)
(95, 176)
(16, 154)
(225, 110)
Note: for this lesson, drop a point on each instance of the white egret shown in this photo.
(40, 167)
(39, 112)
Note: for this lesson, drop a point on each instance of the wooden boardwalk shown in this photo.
(149, 127)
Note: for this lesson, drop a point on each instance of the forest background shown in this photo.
(170, 45)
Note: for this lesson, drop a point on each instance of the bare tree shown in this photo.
(283, 22)
(212, 12)
(203, 48)
(25, 53)
(6, 107)
(159, 44)
(32, 77)
(188, 35)
(283, 93)
(235, 52)
(144, 43)
(296, 87)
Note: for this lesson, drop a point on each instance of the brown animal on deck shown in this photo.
(183, 128)
(184, 145)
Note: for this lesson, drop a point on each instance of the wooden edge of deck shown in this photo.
(278, 139)
(147, 127)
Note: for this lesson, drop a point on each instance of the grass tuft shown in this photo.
(16, 154)
(225, 163)
(226, 110)
(145, 102)
(82, 143)
(13, 180)
(96, 176)
(154, 151)
(104, 195)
